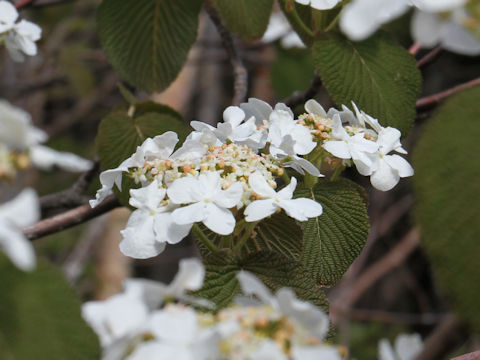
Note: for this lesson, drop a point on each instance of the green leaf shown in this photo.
(305, 14)
(275, 270)
(447, 190)
(147, 41)
(246, 18)
(40, 317)
(332, 241)
(119, 134)
(377, 74)
(278, 233)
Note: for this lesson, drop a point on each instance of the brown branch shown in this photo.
(415, 48)
(69, 219)
(429, 56)
(239, 71)
(470, 356)
(387, 263)
(435, 98)
(300, 97)
(38, 3)
(23, 3)
(448, 336)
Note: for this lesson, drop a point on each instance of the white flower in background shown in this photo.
(150, 227)
(319, 4)
(19, 135)
(206, 201)
(449, 23)
(19, 38)
(22, 211)
(386, 170)
(300, 209)
(407, 347)
(279, 28)
(346, 146)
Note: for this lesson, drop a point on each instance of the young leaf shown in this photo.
(332, 241)
(447, 189)
(377, 74)
(40, 317)
(247, 18)
(147, 41)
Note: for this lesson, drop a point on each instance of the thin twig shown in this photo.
(299, 97)
(435, 98)
(239, 71)
(415, 48)
(69, 219)
(38, 3)
(387, 263)
(448, 336)
(23, 3)
(429, 56)
(74, 196)
(470, 356)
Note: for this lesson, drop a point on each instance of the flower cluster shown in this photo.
(453, 24)
(132, 325)
(20, 145)
(231, 172)
(19, 37)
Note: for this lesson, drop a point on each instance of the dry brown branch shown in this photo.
(471, 356)
(435, 98)
(299, 97)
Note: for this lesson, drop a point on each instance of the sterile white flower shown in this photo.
(386, 170)
(319, 4)
(18, 133)
(407, 347)
(300, 209)
(19, 38)
(151, 226)
(354, 147)
(206, 201)
(22, 211)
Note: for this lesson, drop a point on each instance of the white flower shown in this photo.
(300, 209)
(319, 4)
(315, 352)
(279, 28)
(361, 18)
(150, 227)
(288, 139)
(301, 312)
(354, 147)
(386, 170)
(449, 31)
(22, 211)
(407, 347)
(206, 200)
(19, 37)
(18, 133)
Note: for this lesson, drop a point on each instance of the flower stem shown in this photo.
(204, 239)
(248, 231)
(300, 22)
(337, 173)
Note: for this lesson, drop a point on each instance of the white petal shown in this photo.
(233, 115)
(185, 190)
(259, 209)
(438, 5)
(8, 15)
(190, 214)
(166, 230)
(45, 158)
(191, 149)
(403, 168)
(259, 184)
(259, 109)
(161, 146)
(303, 140)
(17, 247)
(209, 184)
(313, 107)
(302, 208)
(175, 325)
(426, 28)
(138, 238)
(219, 219)
(303, 164)
(154, 350)
(230, 197)
(460, 40)
(147, 197)
(384, 178)
(251, 285)
(318, 352)
(408, 347)
(385, 350)
(268, 350)
(22, 211)
(190, 275)
(323, 4)
(287, 192)
(337, 148)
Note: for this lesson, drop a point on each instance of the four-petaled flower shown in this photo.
(319, 4)
(300, 209)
